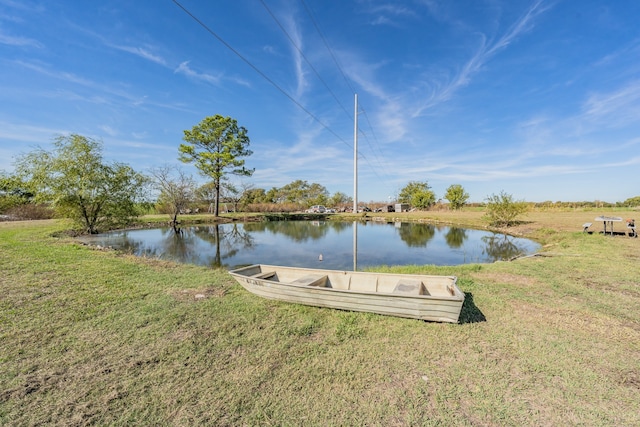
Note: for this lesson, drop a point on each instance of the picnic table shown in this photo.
(608, 220)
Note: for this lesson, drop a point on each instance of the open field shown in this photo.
(90, 337)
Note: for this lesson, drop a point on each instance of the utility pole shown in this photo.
(355, 155)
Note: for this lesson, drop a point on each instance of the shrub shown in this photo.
(30, 211)
(502, 210)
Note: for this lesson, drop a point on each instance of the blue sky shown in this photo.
(537, 98)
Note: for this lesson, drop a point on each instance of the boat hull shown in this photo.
(432, 298)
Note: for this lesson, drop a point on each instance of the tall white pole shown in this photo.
(355, 155)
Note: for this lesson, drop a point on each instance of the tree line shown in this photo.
(75, 182)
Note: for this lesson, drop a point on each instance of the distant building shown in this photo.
(402, 207)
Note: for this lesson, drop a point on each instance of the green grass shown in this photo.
(92, 337)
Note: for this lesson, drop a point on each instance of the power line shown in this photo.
(280, 89)
(293, 43)
(335, 60)
(257, 70)
(348, 81)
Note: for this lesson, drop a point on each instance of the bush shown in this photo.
(30, 211)
(502, 210)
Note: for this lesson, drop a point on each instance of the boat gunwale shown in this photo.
(459, 296)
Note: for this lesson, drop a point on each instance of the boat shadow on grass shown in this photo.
(470, 313)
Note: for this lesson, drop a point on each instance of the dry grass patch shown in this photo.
(194, 295)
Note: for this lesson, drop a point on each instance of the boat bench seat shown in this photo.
(410, 287)
(312, 280)
(265, 275)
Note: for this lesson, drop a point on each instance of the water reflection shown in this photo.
(415, 234)
(343, 245)
(455, 237)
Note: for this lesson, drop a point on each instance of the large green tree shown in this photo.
(74, 179)
(456, 196)
(302, 192)
(417, 194)
(216, 146)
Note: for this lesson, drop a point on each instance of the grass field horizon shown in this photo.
(93, 337)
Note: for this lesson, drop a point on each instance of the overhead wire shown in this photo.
(324, 40)
(280, 89)
(257, 70)
(348, 82)
(293, 43)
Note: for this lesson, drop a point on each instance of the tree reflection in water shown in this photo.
(455, 237)
(501, 247)
(299, 243)
(298, 231)
(416, 235)
(186, 246)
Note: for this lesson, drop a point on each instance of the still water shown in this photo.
(317, 244)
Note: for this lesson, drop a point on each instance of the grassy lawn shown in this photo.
(91, 337)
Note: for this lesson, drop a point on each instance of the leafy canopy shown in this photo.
(74, 179)
(216, 146)
(417, 194)
(456, 196)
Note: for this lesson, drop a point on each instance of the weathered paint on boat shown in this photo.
(425, 297)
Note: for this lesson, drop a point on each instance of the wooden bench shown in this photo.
(586, 226)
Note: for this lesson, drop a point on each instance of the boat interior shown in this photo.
(364, 282)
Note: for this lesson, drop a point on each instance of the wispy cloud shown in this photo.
(142, 53)
(19, 41)
(108, 130)
(292, 31)
(22, 6)
(617, 108)
(62, 75)
(101, 93)
(28, 133)
(184, 69)
(390, 14)
(486, 50)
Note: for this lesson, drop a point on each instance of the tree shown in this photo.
(176, 190)
(303, 193)
(632, 202)
(417, 194)
(79, 186)
(207, 193)
(502, 210)
(13, 192)
(216, 146)
(339, 199)
(254, 195)
(456, 196)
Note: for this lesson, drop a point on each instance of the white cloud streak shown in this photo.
(480, 58)
(184, 69)
(19, 41)
(142, 53)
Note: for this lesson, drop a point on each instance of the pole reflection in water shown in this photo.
(355, 245)
(298, 243)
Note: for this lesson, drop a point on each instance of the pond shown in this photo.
(318, 244)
